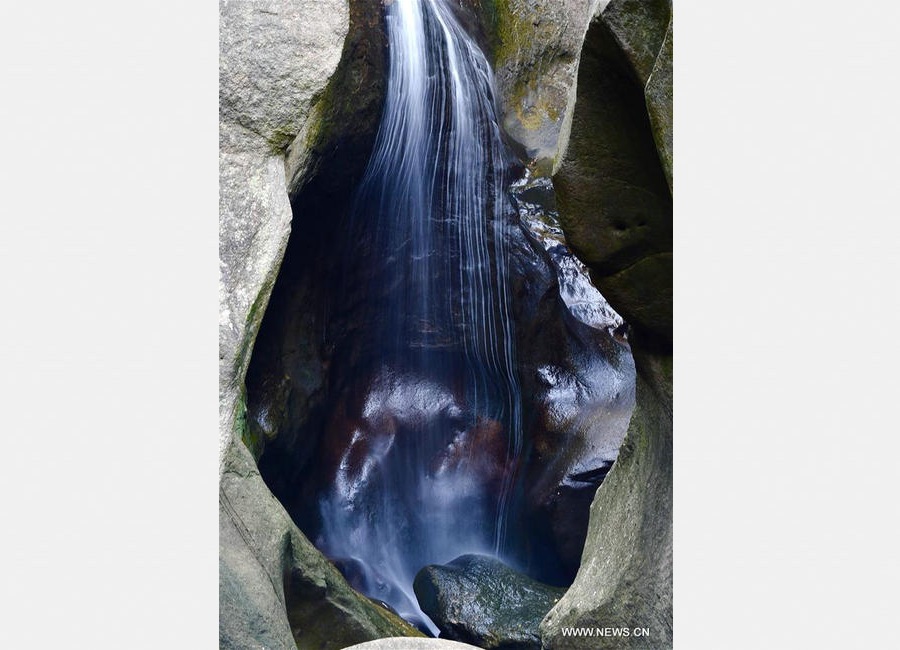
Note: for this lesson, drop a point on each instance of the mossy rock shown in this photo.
(658, 93)
(639, 28)
(534, 47)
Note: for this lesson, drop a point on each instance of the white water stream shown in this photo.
(435, 197)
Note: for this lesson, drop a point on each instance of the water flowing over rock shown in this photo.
(434, 212)
(480, 600)
(374, 385)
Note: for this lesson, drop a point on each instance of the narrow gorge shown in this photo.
(421, 386)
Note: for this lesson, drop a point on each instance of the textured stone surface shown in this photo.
(659, 103)
(401, 643)
(272, 64)
(638, 27)
(536, 46)
(254, 223)
(480, 600)
(614, 199)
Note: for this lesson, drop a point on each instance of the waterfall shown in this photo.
(429, 473)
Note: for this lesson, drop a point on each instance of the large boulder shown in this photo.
(272, 65)
(480, 600)
(614, 199)
(536, 46)
(275, 589)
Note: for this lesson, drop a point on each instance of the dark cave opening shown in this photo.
(312, 363)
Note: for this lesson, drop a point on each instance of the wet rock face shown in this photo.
(579, 383)
(626, 578)
(614, 196)
(386, 413)
(335, 428)
(480, 600)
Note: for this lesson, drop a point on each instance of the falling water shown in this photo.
(431, 477)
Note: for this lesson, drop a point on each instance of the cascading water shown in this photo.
(428, 474)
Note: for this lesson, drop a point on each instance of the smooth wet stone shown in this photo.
(579, 383)
(405, 643)
(479, 600)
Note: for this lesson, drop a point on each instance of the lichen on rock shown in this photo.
(535, 48)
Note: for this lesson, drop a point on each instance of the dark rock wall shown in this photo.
(286, 380)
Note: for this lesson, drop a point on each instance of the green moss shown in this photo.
(313, 130)
(312, 127)
(249, 437)
(249, 434)
(280, 140)
(511, 31)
